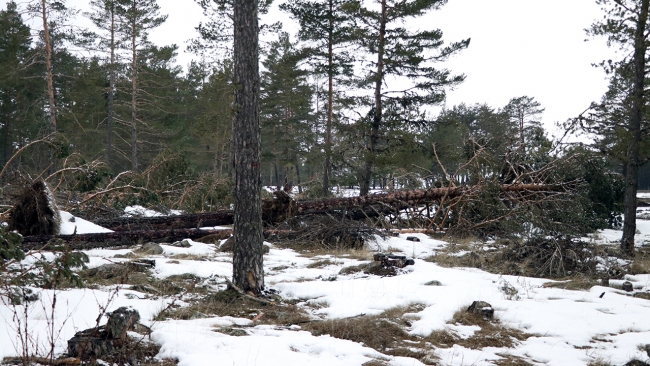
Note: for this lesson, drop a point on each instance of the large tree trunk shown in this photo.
(634, 127)
(248, 273)
(371, 151)
(106, 240)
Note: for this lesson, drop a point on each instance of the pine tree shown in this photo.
(396, 51)
(106, 19)
(16, 91)
(247, 263)
(621, 114)
(327, 29)
(286, 115)
(139, 17)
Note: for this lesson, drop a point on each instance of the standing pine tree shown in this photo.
(139, 17)
(397, 51)
(104, 16)
(286, 114)
(327, 28)
(248, 272)
(623, 110)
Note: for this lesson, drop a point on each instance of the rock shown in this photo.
(181, 244)
(481, 307)
(266, 249)
(413, 238)
(627, 286)
(107, 271)
(433, 283)
(150, 248)
(389, 260)
(142, 265)
(127, 255)
(647, 349)
(227, 246)
(120, 321)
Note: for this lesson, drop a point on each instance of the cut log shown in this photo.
(105, 240)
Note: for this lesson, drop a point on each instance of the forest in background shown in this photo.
(345, 102)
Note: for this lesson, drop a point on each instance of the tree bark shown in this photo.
(330, 102)
(377, 117)
(48, 67)
(248, 273)
(105, 240)
(634, 127)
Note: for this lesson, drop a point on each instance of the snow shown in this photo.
(71, 225)
(569, 327)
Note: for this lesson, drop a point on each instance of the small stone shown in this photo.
(394, 233)
(266, 249)
(182, 244)
(481, 307)
(627, 286)
(412, 238)
(71, 219)
(150, 248)
(433, 283)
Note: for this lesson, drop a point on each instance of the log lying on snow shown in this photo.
(279, 209)
(105, 240)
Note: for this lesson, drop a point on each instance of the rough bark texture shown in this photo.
(376, 120)
(48, 66)
(248, 273)
(106, 240)
(634, 127)
(330, 101)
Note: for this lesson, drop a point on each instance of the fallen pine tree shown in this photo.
(283, 207)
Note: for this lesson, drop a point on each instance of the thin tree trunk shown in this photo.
(248, 272)
(50, 82)
(330, 103)
(634, 126)
(134, 91)
(111, 90)
(376, 120)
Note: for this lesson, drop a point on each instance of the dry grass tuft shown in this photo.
(641, 262)
(511, 360)
(577, 284)
(231, 303)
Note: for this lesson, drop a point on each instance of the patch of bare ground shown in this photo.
(580, 283)
(511, 360)
(641, 262)
(232, 303)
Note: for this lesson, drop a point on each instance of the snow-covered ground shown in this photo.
(569, 327)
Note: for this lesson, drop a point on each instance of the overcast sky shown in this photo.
(518, 47)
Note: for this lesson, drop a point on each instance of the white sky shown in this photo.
(518, 47)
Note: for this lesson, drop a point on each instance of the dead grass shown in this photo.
(189, 257)
(641, 262)
(320, 264)
(577, 284)
(310, 251)
(231, 303)
(511, 360)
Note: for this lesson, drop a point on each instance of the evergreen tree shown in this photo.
(286, 115)
(327, 29)
(396, 51)
(139, 17)
(621, 115)
(106, 19)
(247, 262)
(17, 92)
